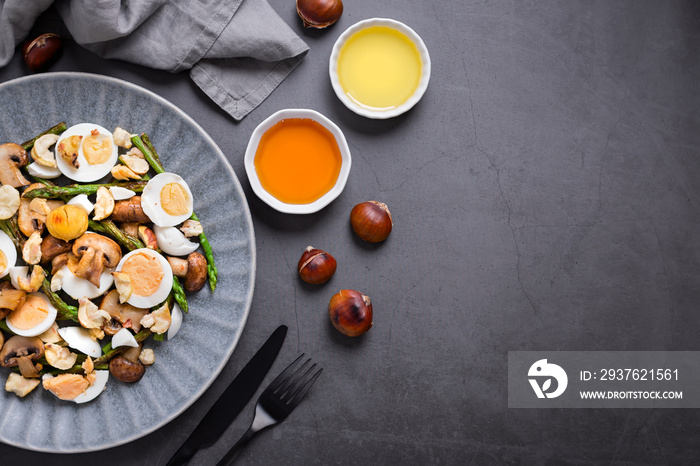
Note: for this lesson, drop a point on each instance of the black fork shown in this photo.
(277, 401)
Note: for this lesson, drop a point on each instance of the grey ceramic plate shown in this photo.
(188, 364)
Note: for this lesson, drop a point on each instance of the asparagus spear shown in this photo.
(6, 226)
(179, 295)
(65, 310)
(212, 271)
(109, 228)
(151, 157)
(53, 192)
(58, 129)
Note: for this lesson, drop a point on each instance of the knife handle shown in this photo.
(182, 456)
(230, 455)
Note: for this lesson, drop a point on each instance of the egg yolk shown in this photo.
(3, 262)
(145, 273)
(174, 199)
(32, 313)
(97, 148)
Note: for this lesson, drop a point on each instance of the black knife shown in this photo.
(233, 400)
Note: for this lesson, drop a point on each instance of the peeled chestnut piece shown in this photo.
(316, 266)
(350, 312)
(41, 52)
(371, 221)
(319, 14)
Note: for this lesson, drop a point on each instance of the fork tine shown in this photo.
(292, 379)
(302, 391)
(284, 375)
(297, 383)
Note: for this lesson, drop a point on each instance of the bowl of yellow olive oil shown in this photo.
(379, 68)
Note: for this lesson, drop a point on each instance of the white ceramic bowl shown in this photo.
(272, 201)
(422, 85)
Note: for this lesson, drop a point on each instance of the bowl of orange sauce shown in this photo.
(297, 161)
(379, 68)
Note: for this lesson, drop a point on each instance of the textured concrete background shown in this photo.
(546, 196)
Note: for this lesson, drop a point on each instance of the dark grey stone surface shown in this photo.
(546, 196)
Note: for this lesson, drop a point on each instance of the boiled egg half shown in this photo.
(93, 150)
(32, 318)
(8, 254)
(167, 200)
(150, 275)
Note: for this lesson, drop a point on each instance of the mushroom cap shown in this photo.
(18, 347)
(122, 313)
(96, 252)
(12, 156)
(111, 250)
(196, 272)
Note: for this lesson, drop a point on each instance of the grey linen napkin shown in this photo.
(236, 51)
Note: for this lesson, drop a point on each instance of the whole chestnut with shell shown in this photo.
(319, 14)
(42, 51)
(371, 221)
(350, 312)
(316, 266)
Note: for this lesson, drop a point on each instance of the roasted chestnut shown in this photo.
(41, 52)
(316, 266)
(319, 14)
(371, 221)
(350, 312)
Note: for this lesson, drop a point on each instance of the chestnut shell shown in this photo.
(350, 312)
(319, 14)
(371, 221)
(316, 266)
(42, 52)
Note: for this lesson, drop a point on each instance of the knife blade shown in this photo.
(232, 400)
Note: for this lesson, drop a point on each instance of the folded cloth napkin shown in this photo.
(236, 51)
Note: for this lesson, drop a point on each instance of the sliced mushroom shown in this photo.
(31, 251)
(41, 153)
(33, 212)
(127, 367)
(122, 138)
(104, 204)
(52, 247)
(96, 252)
(12, 156)
(10, 299)
(130, 228)
(22, 352)
(90, 316)
(124, 173)
(136, 162)
(122, 314)
(191, 228)
(9, 201)
(130, 211)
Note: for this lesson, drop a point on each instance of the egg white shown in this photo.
(86, 172)
(175, 321)
(8, 248)
(40, 171)
(77, 287)
(94, 390)
(163, 290)
(172, 241)
(79, 338)
(43, 326)
(151, 205)
(82, 201)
